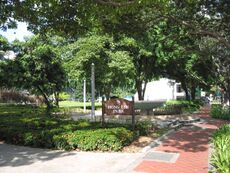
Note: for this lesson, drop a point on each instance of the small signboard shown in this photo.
(118, 106)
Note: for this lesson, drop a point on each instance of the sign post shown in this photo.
(84, 95)
(103, 112)
(133, 114)
(118, 106)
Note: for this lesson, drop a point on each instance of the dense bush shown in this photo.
(218, 111)
(144, 127)
(100, 139)
(220, 159)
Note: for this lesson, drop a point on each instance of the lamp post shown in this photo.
(84, 95)
(93, 90)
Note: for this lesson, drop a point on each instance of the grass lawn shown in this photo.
(74, 104)
(11, 109)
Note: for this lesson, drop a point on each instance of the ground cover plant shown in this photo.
(29, 126)
(220, 159)
(220, 112)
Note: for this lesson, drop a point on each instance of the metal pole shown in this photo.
(133, 114)
(84, 95)
(93, 90)
(103, 112)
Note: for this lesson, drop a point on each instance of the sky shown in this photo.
(19, 33)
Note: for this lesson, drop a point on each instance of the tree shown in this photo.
(220, 69)
(72, 18)
(144, 63)
(113, 68)
(41, 66)
(134, 19)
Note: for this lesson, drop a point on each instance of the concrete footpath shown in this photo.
(17, 159)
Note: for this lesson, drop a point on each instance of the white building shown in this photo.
(163, 89)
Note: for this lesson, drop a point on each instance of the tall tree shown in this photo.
(220, 60)
(43, 71)
(144, 61)
(113, 68)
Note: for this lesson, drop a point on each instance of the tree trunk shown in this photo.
(48, 105)
(185, 88)
(226, 99)
(107, 94)
(141, 90)
(144, 89)
(193, 92)
(56, 99)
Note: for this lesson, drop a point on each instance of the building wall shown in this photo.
(163, 89)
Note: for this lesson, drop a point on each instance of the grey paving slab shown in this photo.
(161, 156)
(17, 159)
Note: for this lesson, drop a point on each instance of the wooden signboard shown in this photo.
(118, 106)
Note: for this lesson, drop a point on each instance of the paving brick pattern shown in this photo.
(191, 142)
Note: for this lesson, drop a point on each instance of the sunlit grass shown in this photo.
(74, 104)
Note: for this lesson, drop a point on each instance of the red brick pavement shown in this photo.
(191, 142)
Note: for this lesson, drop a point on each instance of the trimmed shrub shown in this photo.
(100, 139)
(220, 158)
(144, 127)
(183, 105)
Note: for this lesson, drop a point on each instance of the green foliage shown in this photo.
(24, 126)
(4, 46)
(64, 96)
(38, 67)
(113, 67)
(186, 106)
(101, 139)
(220, 158)
(144, 127)
(220, 112)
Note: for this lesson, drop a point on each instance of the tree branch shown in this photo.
(115, 4)
(197, 31)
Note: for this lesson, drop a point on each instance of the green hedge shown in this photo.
(100, 139)
(220, 158)
(220, 112)
(182, 105)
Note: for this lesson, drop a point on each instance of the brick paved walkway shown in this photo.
(191, 142)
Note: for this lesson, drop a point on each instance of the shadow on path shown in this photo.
(15, 156)
(196, 137)
(188, 139)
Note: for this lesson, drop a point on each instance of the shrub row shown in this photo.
(92, 140)
(179, 106)
(47, 132)
(220, 112)
(220, 158)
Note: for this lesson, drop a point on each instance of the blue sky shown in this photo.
(19, 33)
